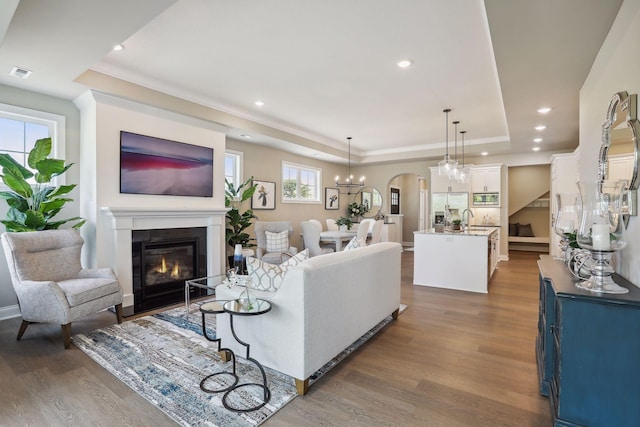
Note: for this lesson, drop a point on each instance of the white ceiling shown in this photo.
(326, 69)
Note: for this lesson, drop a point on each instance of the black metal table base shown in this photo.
(267, 397)
(233, 358)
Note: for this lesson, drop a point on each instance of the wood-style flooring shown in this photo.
(452, 358)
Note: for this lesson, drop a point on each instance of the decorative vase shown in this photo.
(601, 231)
(246, 299)
(566, 221)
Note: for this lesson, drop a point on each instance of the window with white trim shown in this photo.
(20, 128)
(233, 167)
(301, 183)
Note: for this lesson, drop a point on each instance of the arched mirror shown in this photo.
(372, 199)
(619, 150)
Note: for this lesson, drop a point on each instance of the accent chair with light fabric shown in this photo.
(364, 228)
(311, 239)
(50, 283)
(273, 239)
(316, 223)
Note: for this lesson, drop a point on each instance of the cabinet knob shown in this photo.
(552, 329)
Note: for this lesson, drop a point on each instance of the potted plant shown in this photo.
(237, 222)
(455, 224)
(344, 222)
(32, 207)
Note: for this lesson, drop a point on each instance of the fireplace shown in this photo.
(162, 260)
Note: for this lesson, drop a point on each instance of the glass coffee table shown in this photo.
(208, 284)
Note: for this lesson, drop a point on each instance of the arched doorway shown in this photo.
(410, 189)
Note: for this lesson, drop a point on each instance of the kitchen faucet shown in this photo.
(466, 224)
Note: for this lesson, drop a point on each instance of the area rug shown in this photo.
(163, 357)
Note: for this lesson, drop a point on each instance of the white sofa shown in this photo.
(323, 305)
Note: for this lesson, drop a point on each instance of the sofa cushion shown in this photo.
(277, 242)
(269, 277)
(355, 243)
(524, 230)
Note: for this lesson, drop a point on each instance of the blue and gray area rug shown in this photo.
(163, 357)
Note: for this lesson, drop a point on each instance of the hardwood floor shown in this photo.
(451, 359)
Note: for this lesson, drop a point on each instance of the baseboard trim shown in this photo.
(9, 312)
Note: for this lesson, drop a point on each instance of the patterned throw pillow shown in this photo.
(269, 277)
(355, 243)
(277, 242)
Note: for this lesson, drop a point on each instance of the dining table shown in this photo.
(337, 237)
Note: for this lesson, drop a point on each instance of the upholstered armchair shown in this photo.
(51, 285)
(273, 239)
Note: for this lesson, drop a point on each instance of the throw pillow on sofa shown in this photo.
(269, 277)
(355, 243)
(277, 242)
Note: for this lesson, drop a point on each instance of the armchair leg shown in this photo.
(66, 335)
(23, 327)
(118, 308)
(395, 314)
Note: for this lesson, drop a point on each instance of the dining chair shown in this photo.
(316, 223)
(331, 225)
(376, 232)
(311, 239)
(363, 230)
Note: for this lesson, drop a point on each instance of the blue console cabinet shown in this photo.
(588, 351)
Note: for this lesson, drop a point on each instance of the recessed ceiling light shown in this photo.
(245, 136)
(484, 153)
(118, 47)
(540, 127)
(259, 103)
(537, 139)
(22, 73)
(536, 148)
(404, 63)
(544, 110)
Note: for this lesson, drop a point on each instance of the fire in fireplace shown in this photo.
(163, 259)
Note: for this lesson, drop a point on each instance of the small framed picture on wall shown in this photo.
(265, 195)
(331, 198)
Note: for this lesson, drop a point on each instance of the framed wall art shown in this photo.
(265, 195)
(331, 198)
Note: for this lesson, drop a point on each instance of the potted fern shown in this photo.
(33, 204)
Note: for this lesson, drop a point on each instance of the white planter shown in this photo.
(343, 228)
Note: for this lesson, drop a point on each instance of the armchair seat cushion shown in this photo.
(80, 291)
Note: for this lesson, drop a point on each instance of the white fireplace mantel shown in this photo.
(123, 220)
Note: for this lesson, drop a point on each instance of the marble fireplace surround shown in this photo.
(121, 222)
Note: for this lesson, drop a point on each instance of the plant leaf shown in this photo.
(10, 164)
(40, 151)
(47, 168)
(35, 220)
(18, 184)
(63, 189)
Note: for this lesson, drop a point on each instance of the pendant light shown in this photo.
(445, 165)
(349, 187)
(453, 173)
(463, 173)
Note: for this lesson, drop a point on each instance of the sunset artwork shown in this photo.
(150, 165)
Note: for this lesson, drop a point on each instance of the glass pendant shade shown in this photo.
(446, 165)
(566, 219)
(601, 230)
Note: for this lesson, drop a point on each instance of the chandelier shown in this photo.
(446, 165)
(453, 172)
(349, 187)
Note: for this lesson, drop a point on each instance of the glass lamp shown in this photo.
(566, 219)
(601, 231)
(446, 165)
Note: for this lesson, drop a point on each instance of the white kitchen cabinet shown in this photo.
(485, 179)
(442, 184)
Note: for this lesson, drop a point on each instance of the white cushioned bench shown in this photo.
(538, 244)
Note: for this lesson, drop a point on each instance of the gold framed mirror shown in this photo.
(372, 198)
(619, 150)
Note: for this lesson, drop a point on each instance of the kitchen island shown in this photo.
(463, 260)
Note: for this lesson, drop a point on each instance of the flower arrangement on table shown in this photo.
(356, 209)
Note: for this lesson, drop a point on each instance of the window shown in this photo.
(21, 127)
(300, 184)
(233, 167)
